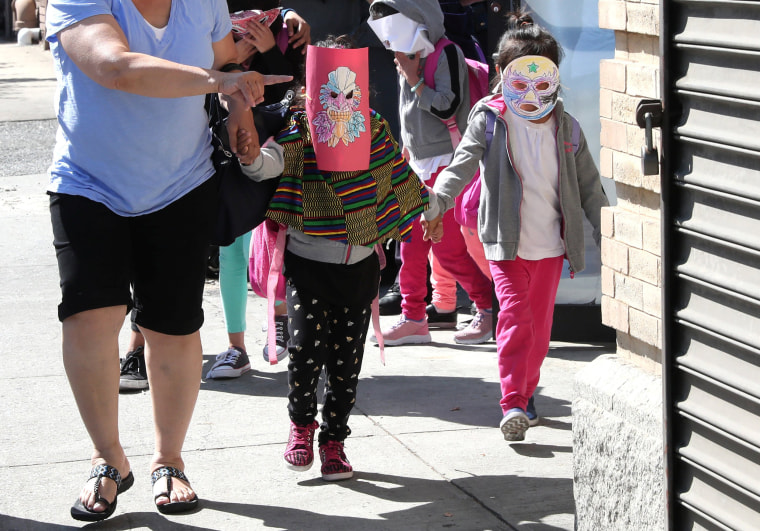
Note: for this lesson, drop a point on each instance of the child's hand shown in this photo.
(244, 50)
(250, 140)
(259, 36)
(408, 67)
(432, 230)
(299, 31)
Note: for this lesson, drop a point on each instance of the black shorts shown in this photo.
(161, 256)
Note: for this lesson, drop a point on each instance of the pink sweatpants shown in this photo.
(444, 285)
(452, 253)
(526, 290)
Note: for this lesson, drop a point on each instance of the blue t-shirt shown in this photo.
(135, 154)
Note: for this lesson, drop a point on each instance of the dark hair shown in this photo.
(524, 37)
(377, 11)
(344, 41)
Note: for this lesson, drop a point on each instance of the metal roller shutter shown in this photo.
(711, 261)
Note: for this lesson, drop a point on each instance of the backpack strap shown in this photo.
(275, 268)
(282, 38)
(575, 137)
(490, 126)
(376, 307)
(431, 63)
(376, 326)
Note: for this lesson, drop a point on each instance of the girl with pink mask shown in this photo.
(538, 180)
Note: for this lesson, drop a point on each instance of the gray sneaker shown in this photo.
(133, 375)
(231, 363)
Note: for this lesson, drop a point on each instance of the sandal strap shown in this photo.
(104, 471)
(169, 472)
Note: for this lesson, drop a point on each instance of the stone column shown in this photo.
(617, 409)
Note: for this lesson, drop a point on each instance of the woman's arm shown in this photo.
(98, 46)
(240, 117)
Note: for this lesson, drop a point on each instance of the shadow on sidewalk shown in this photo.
(430, 509)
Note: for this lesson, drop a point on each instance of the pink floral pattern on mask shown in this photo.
(530, 86)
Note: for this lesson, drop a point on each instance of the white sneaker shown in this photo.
(514, 425)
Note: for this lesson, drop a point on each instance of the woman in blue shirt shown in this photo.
(132, 200)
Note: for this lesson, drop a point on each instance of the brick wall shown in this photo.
(41, 9)
(631, 256)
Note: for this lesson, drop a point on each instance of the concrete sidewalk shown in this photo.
(425, 444)
(27, 83)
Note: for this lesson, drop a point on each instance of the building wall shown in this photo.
(41, 10)
(631, 264)
(617, 407)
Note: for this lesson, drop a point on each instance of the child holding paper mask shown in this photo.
(345, 189)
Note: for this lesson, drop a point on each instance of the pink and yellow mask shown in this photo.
(337, 107)
(530, 86)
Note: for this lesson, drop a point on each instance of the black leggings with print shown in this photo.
(329, 312)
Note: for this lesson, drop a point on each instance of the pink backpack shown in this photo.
(265, 273)
(477, 77)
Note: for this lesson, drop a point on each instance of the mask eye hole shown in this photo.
(350, 95)
(542, 85)
(333, 95)
(519, 85)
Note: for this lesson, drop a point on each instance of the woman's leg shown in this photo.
(170, 314)
(174, 375)
(91, 360)
(93, 252)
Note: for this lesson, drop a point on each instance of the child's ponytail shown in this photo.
(524, 37)
(518, 19)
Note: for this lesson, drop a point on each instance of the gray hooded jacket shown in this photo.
(580, 187)
(422, 130)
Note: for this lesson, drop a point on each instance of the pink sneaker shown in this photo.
(335, 466)
(478, 331)
(299, 454)
(407, 332)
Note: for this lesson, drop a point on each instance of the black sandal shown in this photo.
(80, 512)
(172, 507)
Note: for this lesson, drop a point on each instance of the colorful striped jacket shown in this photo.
(355, 207)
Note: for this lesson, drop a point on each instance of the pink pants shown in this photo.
(526, 290)
(453, 256)
(444, 285)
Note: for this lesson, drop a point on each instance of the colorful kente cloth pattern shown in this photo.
(357, 207)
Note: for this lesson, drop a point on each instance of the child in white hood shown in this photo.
(411, 29)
